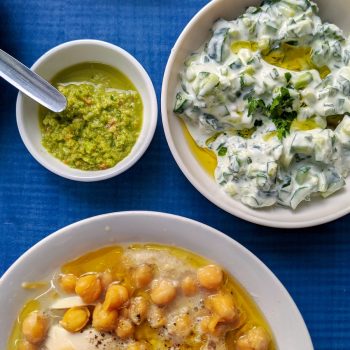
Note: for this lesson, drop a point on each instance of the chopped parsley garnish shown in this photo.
(256, 105)
(288, 77)
(222, 151)
(242, 82)
(280, 111)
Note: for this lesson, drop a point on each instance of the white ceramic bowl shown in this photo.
(40, 261)
(192, 37)
(66, 55)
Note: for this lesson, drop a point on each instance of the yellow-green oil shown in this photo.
(205, 157)
(93, 73)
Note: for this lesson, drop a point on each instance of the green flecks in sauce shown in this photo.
(102, 120)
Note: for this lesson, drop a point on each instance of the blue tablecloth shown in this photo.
(313, 264)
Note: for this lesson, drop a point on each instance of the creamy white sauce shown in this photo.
(215, 87)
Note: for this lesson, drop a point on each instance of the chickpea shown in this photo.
(104, 320)
(125, 328)
(75, 319)
(210, 276)
(138, 310)
(163, 292)
(138, 346)
(89, 288)
(142, 276)
(222, 306)
(209, 324)
(34, 327)
(116, 296)
(67, 283)
(255, 339)
(25, 345)
(180, 326)
(156, 317)
(106, 279)
(124, 312)
(189, 286)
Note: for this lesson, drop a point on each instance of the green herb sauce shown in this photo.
(102, 120)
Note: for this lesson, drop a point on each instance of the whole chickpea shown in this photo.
(255, 339)
(210, 276)
(125, 328)
(223, 306)
(104, 320)
(89, 287)
(34, 327)
(106, 278)
(163, 292)
(189, 286)
(116, 296)
(25, 345)
(156, 317)
(124, 312)
(143, 276)
(138, 310)
(211, 325)
(67, 283)
(180, 326)
(75, 319)
(138, 346)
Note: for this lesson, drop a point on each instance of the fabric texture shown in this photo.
(313, 264)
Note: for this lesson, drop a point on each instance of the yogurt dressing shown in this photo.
(276, 58)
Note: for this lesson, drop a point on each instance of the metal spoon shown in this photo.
(31, 83)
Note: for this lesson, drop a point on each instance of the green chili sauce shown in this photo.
(102, 120)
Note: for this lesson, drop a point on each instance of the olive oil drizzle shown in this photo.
(111, 257)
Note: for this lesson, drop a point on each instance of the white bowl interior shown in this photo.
(40, 261)
(70, 54)
(194, 35)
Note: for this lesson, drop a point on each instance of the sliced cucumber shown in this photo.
(303, 80)
(216, 45)
(261, 180)
(237, 64)
(345, 85)
(180, 103)
(299, 195)
(208, 83)
(335, 182)
(209, 120)
(302, 174)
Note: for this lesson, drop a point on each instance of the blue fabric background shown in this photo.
(313, 264)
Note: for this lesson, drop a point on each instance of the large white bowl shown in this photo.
(192, 37)
(39, 262)
(69, 54)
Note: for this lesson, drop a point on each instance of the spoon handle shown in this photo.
(30, 83)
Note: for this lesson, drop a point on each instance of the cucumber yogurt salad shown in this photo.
(269, 95)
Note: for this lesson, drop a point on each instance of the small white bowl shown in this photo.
(193, 36)
(69, 54)
(72, 241)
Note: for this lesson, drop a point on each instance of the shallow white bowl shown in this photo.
(69, 54)
(49, 254)
(193, 36)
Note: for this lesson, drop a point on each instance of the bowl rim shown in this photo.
(128, 161)
(220, 236)
(231, 209)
